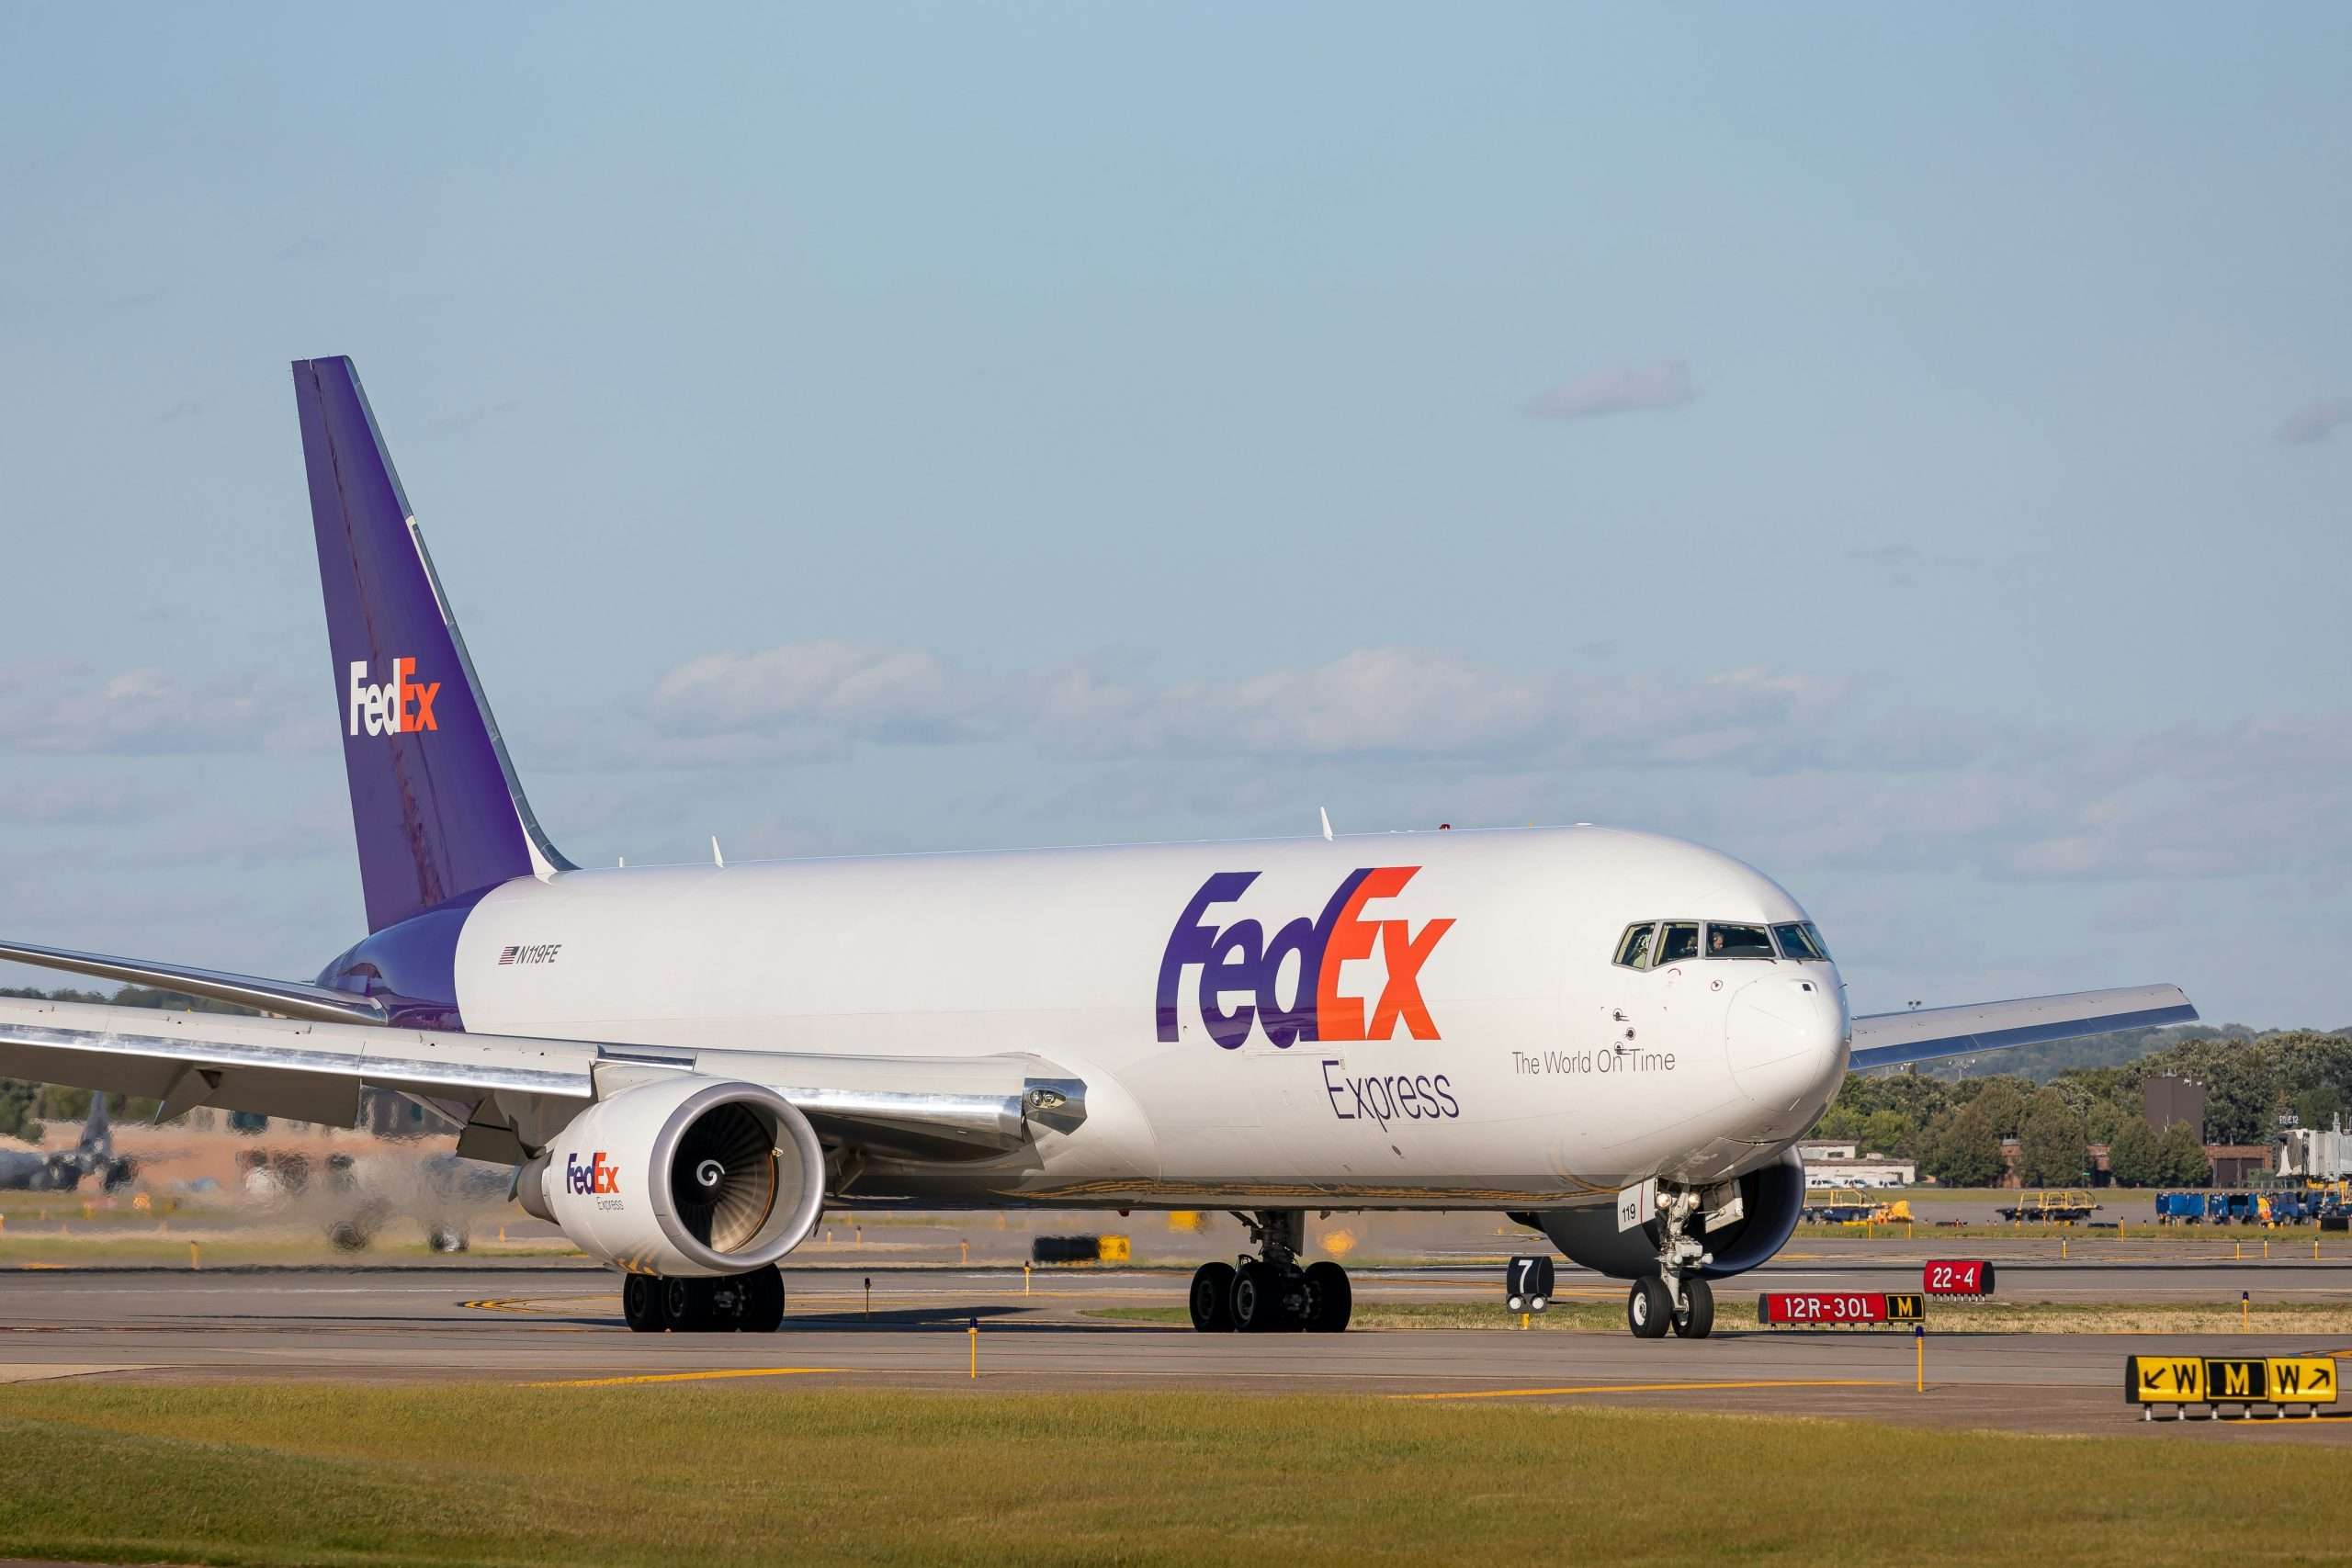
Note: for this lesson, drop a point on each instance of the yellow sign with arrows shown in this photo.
(2240, 1379)
(2301, 1380)
(2163, 1380)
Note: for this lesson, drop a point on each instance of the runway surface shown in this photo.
(552, 1322)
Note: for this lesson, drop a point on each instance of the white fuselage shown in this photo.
(1499, 1060)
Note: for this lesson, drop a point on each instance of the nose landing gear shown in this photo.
(1679, 1297)
(1271, 1294)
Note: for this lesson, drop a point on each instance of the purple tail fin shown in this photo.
(433, 799)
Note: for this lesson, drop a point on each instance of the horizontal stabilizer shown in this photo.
(1925, 1035)
(289, 999)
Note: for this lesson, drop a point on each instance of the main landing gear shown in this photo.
(1678, 1297)
(1271, 1294)
(752, 1303)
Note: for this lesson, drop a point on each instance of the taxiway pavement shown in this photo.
(557, 1324)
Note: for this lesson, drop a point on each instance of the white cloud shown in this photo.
(862, 690)
(808, 700)
(1626, 389)
(48, 802)
(1794, 770)
(2316, 420)
(63, 708)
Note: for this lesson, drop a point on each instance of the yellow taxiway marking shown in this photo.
(688, 1377)
(1660, 1388)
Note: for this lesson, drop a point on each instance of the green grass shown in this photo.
(717, 1476)
(1579, 1316)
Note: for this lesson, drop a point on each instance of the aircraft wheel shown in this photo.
(1696, 1318)
(1212, 1301)
(686, 1304)
(642, 1303)
(763, 1301)
(1329, 1300)
(1258, 1306)
(1647, 1308)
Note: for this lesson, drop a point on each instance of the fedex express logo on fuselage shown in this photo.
(399, 707)
(1241, 961)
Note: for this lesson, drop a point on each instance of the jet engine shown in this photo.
(1772, 1200)
(685, 1178)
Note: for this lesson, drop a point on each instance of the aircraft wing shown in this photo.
(501, 1087)
(1923, 1034)
(288, 998)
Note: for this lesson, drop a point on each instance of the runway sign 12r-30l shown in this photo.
(1835, 1309)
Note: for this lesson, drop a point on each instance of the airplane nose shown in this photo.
(1785, 1036)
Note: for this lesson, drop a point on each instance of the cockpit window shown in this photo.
(1678, 941)
(1802, 943)
(1633, 948)
(1738, 942)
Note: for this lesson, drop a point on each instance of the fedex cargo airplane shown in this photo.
(1613, 1037)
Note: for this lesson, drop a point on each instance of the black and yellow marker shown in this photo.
(2303, 1382)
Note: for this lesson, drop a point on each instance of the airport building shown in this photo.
(1844, 1164)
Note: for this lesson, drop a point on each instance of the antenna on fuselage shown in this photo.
(1326, 823)
(715, 858)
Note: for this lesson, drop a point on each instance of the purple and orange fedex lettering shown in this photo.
(399, 706)
(596, 1176)
(1239, 961)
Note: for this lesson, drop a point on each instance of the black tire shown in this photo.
(642, 1303)
(1212, 1300)
(685, 1304)
(1258, 1305)
(763, 1302)
(1696, 1318)
(1329, 1299)
(1648, 1309)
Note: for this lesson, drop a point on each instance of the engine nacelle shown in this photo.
(689, 1176)
(1771, 1199)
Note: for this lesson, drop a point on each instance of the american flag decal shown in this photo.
(506, 954)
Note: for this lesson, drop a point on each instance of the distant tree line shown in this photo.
(1953, 1127)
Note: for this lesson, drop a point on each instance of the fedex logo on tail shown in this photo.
(1241, 961)
(399, 707)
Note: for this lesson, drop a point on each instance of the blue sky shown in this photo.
(1911, 452)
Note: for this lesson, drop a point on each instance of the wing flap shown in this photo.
(919, 1107)
(1926, 1034)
